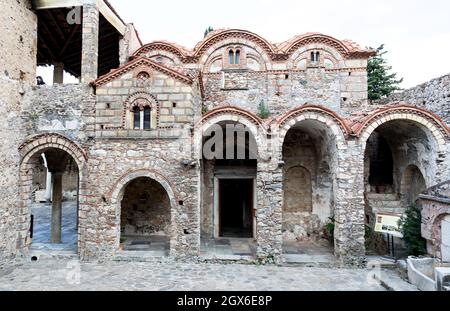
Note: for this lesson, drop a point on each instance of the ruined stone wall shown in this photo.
(433, 95)
(17, 73)
(56, 109)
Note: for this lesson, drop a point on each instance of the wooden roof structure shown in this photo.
(61, 41)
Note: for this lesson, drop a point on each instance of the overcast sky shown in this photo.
(415, 32)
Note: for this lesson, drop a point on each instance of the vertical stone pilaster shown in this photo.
(90, 37)
(349, 205)
(269, 213)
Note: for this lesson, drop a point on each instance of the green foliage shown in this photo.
(329, 230)
(122, 240)
(204, 109)
(410, 226)
(381, 81)
(263, 110)
(208, 30)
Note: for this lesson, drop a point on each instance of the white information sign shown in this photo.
(388, 223)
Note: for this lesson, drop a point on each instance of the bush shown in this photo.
(410, 226)
(263, 111)
(329, 230)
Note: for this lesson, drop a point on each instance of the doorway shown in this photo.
(236, 217)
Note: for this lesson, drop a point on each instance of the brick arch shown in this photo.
(427, 119)
(33, 146)
(315, 39)
(336, 124)
(166, 47)
(222, 35)
(302, 52)
(118, 189)
(229, 113)
(120, 185)
(37, 143)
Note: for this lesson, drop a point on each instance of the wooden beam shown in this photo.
(53, 4)
(69, 40)
(49, 34)
(44, 43)
(58, 29)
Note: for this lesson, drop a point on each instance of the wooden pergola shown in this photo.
(60, 35)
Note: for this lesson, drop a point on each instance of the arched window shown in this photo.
(237, 57)
(315, 56)
(147, 118)
(136, 118)
(231, 54)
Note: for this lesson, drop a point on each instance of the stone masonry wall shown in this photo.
(112, 160)
(281, 92)
(55, 109)
(433, 95)
(17, 72)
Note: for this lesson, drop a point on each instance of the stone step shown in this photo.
(141, 256)
(382, 197)
(40, 255)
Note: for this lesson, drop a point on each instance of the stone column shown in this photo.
(57, 208)
(90, 37)
(58, 73)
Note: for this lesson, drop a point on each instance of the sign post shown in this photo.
(389, 224)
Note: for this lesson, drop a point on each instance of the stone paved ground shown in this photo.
(55, 274)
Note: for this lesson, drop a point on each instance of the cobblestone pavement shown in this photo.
(55, 274)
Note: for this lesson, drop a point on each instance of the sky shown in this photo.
(416, 33)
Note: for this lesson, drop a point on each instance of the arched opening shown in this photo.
(53, 176)
(412, 185)
(391, 181)
(381, 164)
(145, 217)
(309, 150)
(229, 168)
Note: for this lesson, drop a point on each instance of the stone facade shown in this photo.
(136, 136)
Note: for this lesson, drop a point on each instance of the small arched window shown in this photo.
(147, 118)
(315, 57)
(237, 57)
(231, 54)
(136, 118)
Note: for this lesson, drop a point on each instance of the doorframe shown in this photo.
(216, 212)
